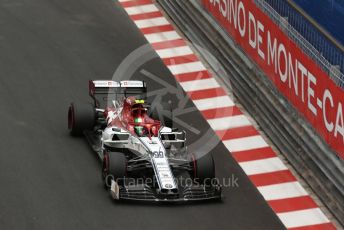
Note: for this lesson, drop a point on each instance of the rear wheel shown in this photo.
(81, 117)
(203, 169)
(114, 167)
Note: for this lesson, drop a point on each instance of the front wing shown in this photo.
(184, 194)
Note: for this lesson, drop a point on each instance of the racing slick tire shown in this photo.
(163, 113)
(114, 167)
(204, 169)
(81, 117)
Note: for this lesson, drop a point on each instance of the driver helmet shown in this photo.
(138, 119)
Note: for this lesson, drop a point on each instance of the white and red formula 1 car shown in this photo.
(143, 157)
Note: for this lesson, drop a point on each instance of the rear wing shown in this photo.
(105, 91)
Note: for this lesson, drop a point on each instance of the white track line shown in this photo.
(213, 103)
(268, 165)
(303, 218)
(244, 143)
(174, 52)
(186, 68)
(224, 123)
(163, 36)
(141, 9)
(208, 83)
(152, 22)
(282, 191)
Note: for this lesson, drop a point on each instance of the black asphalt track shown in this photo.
(49, 49)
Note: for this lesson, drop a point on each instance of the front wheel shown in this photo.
(203, 168)
(114, 167)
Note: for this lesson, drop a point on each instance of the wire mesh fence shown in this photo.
(327, 55)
